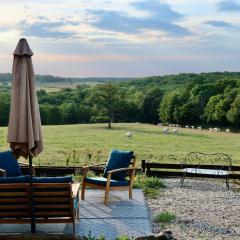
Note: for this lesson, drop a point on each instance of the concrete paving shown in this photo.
(121, 217)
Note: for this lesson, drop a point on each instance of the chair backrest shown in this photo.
(10, 164)
(118, 159)
(14, 200)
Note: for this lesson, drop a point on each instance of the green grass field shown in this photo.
(75, 142)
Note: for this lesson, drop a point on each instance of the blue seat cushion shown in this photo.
(67, 179)
(9, 163)
(19, 179)
(118, 159)
(103, 181)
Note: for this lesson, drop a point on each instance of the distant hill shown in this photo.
(45, 79)
(171, 82)
(166, 82)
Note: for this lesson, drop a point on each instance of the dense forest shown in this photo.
(197, 99)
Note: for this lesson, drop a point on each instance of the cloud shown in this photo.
(161, 10)
(161, 18)
(44, 28)
(219, 24)
(228, 6)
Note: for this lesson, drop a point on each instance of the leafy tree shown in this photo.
(106, 98)
(69, 112)
(218, 106)
(4, 108)
(233, 115)
(168, 107)
(150, 104)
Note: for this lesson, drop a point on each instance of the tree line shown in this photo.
(196, 99)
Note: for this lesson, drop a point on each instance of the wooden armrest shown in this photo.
(75, 189)
(94, 165)
(121, 170)
(2, 173)
(86, 168)
(25, 164)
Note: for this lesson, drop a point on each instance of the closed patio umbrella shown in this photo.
(24, 128)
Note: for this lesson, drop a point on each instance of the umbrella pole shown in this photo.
(33, 222)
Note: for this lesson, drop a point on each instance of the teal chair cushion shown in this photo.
(10, 164)
(66, 179)
(19, 179)
(103, 181)
(118, 159)
(76, 203)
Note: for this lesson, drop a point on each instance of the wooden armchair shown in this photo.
(114, 178)
(12, 167)
(9, 166)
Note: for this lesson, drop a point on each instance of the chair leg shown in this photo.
(106, 197)
(130, 192)
(78, 213)
(83, 191)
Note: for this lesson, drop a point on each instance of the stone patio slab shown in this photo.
(122, 216)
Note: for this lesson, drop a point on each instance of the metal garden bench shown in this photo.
(209, 165)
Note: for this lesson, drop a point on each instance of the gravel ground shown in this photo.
(205, 209)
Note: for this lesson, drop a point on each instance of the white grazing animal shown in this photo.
(186, 126)
(192, 127)
(199, 127)
(175, 130)
(166, 130)
(227, 130)
(129, 135)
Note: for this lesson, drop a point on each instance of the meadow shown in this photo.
(75, 144)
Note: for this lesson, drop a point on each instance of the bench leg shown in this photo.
(83, 191)
(182, 179)
(74, 230)
(227, 182)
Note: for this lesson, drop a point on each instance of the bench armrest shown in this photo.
(75, 189)
(2, 173)
(24, 164)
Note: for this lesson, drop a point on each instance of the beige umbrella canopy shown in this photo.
(24, 128)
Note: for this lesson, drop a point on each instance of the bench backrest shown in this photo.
(213, 160)
(14, 200)
(51, 200)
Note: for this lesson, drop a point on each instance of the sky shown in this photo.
(122, 38)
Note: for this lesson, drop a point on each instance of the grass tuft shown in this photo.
(165, 217)
(149, 185)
